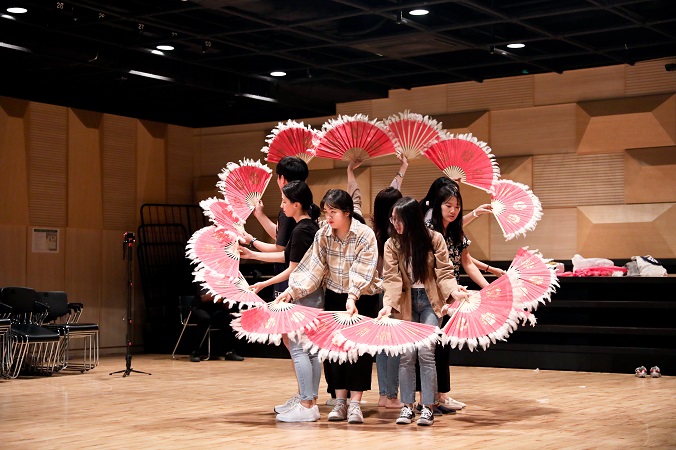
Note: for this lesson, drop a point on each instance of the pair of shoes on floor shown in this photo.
(407, 415)
(288, 405)
(195, 357)
(352, 413)
(453, 404)
(642, 372)
(299, 413)
(232, 356)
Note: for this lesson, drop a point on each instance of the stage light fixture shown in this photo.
(516, 45)
(419, 12)
(16, 10)
(278, 73)
(150, 75)
(258, 97)
(15, 47)
(165, 48)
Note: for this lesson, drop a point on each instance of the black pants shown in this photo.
(354, 376)
(216, 315)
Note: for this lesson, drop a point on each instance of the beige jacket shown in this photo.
(397, 284)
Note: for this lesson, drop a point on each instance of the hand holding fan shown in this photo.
(291, 139)
(321, 340)
(243, 185)
(515, 207)
(268, 322)
(215, 249)
(467, 158)
(230, 290)
(352, 138)
(536, 279)
(223, 215)
(412, 133)
(393, 336)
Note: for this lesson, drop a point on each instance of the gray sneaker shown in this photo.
(288, 405)
(426, 417)
(405, 416)
(338, 413)
(354, 414)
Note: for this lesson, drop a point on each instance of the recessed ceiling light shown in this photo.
(278, 73)
(16, 10)
(165, 48)
(157, 52)
(7, 16)
(150, 75)
(418, 12)
(14, 47)
(516, 45)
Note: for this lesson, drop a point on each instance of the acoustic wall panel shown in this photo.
(13, 162)
(502, 93)
(85, 199)
(180, 169)
(579, 85)
(649, 77)
(650, 175)
(13, 242)
(119, 172)
(427, 100)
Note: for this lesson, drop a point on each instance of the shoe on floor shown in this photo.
(655, 372)
(641, 372)
(195, 357)
(232, 356)
(453, 404)
(443, 409)
(405, 416)
(435, 410)
(426, 417)
(289, 404)
(338, 413)
(299, 413)
(354, 414)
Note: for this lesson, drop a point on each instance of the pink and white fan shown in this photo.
(321, 340)
(215, 249)
(484, 317)
(465, 157)
(533, 277)
(291, 139)
(229, 290)
(221, 214)
(413, 133)
(243, 185)
(270, 321)
(352, 138)
(515, 207)
(393, 336)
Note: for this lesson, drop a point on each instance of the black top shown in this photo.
(285, 226)
(301, 240)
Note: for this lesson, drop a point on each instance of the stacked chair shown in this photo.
(63, 318)
(5, 340)
(34, 349)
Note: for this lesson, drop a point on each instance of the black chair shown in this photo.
(34, 348)
(62, 317)
(5, 340)
(186, 305)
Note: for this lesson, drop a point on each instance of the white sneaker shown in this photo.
(300, 413)
(354, 414)
(339, 413)
(290, 403)
(454, 404)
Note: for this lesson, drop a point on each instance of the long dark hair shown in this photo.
(428, 201)
(382, 206)
(338, 199)
(415, 242)
(299, 191)
(454, 229)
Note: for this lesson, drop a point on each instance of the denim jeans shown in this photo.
(388, 374)
(422, 312)
(308, 369)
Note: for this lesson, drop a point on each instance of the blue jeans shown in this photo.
(388, 374)
(308, 369)
(422, 312)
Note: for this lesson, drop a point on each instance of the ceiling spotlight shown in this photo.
(7, 16)
(516, 45)
(165, 48)
(157, 52)
(278, 73)
(419, 12)
(258, 97)
(150, 75)
(16, 10)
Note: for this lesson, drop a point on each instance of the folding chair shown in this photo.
(186, 306)
(5, 340)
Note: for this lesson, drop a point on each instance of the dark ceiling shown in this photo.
(79, 53)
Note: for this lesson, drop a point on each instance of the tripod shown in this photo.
(128, 252)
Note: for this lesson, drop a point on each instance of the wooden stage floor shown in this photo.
(225, 404)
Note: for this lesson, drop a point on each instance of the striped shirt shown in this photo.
(347, 266)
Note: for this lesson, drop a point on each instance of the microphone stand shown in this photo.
(128, 251)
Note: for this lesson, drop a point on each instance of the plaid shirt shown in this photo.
(341, 266)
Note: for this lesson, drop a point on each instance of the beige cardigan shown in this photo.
(397, 284)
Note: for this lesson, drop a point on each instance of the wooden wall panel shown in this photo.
(618, 231)
(218, 150)
(13, 163)
(180, 164)
(47, 164)
(46, 271)
(503, 93)
(83, 270)
(351, 108)
(530, 131)
(650, 175)
(119, 172)
(151, 164)
(555, 236)
(113, 292)
(430, 99)
(85, 199)
(615, 125)
(477, 122)
(648, 77)
(517, 168)
(569, 180)
(579, 85)
(13, 255)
